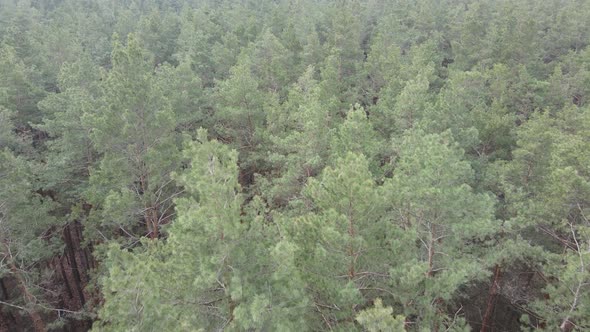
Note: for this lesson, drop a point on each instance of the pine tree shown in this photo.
(134, 131)
(24, 241)
(241, 110)
(342, 65)
(271, 63)
(220, 267)
(70, 151)
(356, 134)
(159, 31)
(198, 33)
(300, 131)
(448, 221)
(343, 245)
(549, 190)
(21, 87)
(187, 95)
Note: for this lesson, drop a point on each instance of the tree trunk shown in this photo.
(4, 290)
(151, 219)
(431, 252)
(65, 277)
(83, 256)
(351, 253)
(492, 295)
(566, 326)
(74, 264)
(36, 318)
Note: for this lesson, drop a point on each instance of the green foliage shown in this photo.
(25, 217)
(24, 214)
(356, 134)
(159, 31)
(185, 92)
(134, 132)
(341, 247)
(71, 152)
(450, 225)
(207, 228)
(551, 190)
(364, 165)
(20, 89)
(272, 63)
(7, 139)
(380, 319)
(211, 272)
(300, 131)
(240, 105)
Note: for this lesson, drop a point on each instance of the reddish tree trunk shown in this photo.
(351, 253)
(74, 264)
(36, 318)
(21, 284)
(3, 289)
(82, 252)
(492, 295)
(567, 326)
(152, 219)
(65, 277)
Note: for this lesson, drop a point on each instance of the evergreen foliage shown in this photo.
(294, 165)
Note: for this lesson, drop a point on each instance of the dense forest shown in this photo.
(294, 165)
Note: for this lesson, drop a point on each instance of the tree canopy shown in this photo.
(294, 165)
